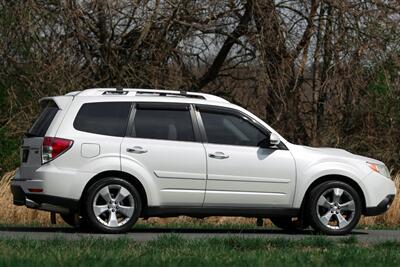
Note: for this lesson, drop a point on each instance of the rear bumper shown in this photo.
(382, 207)
(42, 201)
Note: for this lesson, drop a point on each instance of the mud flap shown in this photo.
(53, 217)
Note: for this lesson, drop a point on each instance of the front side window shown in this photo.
(106, 118)
(230, 129)
(163, 123)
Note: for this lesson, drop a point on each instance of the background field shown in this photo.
(322, 73)
(14, 215)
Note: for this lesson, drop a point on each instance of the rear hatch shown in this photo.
(31, 156)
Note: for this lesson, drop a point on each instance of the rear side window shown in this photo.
(42, 123)
(163, 123)
(106, 118)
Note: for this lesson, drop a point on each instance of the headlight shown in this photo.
(379, 168)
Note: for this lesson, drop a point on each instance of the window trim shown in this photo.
(164, 106)
(234, 112)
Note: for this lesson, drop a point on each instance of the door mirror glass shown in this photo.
(274, 139)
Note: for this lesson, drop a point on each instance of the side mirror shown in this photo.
(270, 141)
(274, 139)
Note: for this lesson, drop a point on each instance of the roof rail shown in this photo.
(116, 92)
(167, 93)
(119, 91)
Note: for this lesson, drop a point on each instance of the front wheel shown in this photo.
(113, 205)
(334, 208)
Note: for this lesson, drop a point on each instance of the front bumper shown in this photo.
(382, 207)
(42, 201)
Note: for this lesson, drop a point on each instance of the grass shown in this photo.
(172, 250)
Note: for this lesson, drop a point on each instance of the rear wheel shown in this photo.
(334, 208)
(113, 205)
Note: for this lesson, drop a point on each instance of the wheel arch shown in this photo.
(119, 174)
(335, 177)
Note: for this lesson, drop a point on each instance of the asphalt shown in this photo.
(141, 235)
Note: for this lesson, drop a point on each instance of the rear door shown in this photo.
(164, 141)
(31, 158)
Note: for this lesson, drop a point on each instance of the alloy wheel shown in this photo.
(336, 208)
(113, 205)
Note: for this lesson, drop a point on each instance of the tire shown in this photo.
(112, 205)
(69, 218)
(287, 224)
(334, 208)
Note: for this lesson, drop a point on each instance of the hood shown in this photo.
(336, 152)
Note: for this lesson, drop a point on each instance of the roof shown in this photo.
(156, 93)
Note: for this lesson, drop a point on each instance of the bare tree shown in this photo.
(321, 72)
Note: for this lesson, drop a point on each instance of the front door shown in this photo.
(240, 172)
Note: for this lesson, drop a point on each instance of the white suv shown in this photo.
(102, 158)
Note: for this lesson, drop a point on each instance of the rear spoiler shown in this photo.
(62, 102)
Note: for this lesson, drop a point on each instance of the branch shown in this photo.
(219, 60)
(305, 39)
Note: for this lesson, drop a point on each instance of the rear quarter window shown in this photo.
(43, 121)
(105, 118)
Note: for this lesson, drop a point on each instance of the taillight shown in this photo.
(53, 147)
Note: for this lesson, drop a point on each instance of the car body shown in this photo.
(183, 153)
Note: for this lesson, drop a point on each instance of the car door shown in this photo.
(163, 140)
(240, 172)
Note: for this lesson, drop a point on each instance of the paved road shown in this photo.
(38, 233)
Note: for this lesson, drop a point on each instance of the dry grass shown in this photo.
(392, 217)
(11, 214)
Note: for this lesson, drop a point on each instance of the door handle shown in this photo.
(136, 149)
(218, 155)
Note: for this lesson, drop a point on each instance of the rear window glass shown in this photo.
(43, 121)
(106, 118)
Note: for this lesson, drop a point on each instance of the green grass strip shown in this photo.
(173, 250)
